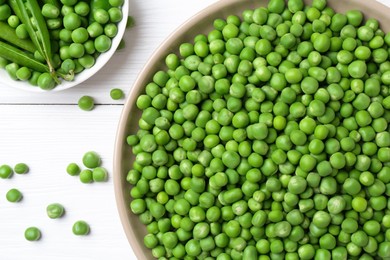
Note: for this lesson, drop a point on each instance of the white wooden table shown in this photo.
(48, 131)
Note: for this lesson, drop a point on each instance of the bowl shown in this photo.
(128, 124)
(84, 75)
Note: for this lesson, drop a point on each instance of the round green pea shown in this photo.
(21, 168)
(32, 234)
(86, 176)
(5, 171)
(116, 93)
(46, 81)
(71, 21)
(14, 195)
(80, 228)
(23, 73)
(357, 69)
(99, 174)
(55, 210)
(86, 103)
(91, 159)
(73, 169)
(102, 43)
(80, 35)
(101, 16)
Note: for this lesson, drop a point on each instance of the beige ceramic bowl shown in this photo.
(200, 23)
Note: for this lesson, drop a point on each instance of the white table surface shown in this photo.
(47, 131)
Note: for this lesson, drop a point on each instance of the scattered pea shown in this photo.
(116, 93)
(73, 169)
(86, 176)
(5, 171)
(91, 159)
(99, 174)
(21, 168)
(55, 210)
(32, 234)
(80, 228)
(86, 103)
(14, 195)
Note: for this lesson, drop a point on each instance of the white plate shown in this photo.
(103, 58)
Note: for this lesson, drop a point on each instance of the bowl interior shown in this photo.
(200, 23)
(84, 75)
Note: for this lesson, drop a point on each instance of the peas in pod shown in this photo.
(45, 42)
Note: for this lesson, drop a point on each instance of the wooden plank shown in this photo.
(47, 138)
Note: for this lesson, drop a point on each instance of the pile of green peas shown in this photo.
(268, 138)
(86, 31)
(79, 32)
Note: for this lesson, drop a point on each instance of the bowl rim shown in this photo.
(100, 62)
(154, 61)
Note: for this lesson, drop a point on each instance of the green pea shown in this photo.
(86, 103)
(5, 171)
(115, 14)
(71, 21)
(21, 168)
(357, 69)
(80, 228)
(14, 195)
(365, 33)
(32, 234)
(73, 169)
(86, 176)
(95, 29)
(322, 43)
(21, 31)
(45, 81)
(55, 210)
(91, 159)
(355, 17)
(102, 43)
(23, 73)
(99, 174)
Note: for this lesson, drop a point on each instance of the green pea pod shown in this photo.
(8, 34)
(39, 34)
(19, 57)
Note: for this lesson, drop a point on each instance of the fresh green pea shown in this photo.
(14, 195)
(80, 228)
(32, 234)
(55, 210)
(86, 103)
